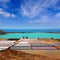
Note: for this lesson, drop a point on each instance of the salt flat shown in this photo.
(32, 44)
(5, 44)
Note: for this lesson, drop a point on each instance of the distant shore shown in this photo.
(33, 32)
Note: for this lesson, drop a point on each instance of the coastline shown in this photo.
(33, 32)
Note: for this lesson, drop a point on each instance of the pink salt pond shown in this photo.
(43, 48)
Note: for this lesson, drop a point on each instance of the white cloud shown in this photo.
(57, 15)
(4, 1)
(6, 14)
(24, 12)
(44, 19)
(56, 18)
(32, 8)
(46, 22)
(13, 15)
(39, 21)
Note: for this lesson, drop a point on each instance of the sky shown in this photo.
(29, 14)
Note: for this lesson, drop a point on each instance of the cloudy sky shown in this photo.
(29, 14)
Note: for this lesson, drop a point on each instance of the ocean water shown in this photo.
(31, 35)
(31, 30)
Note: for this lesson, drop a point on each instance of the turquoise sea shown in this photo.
(31, 35)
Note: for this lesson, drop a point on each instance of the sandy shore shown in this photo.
(19, 55)
(49, 53)
(52, 54)
(3, 39)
